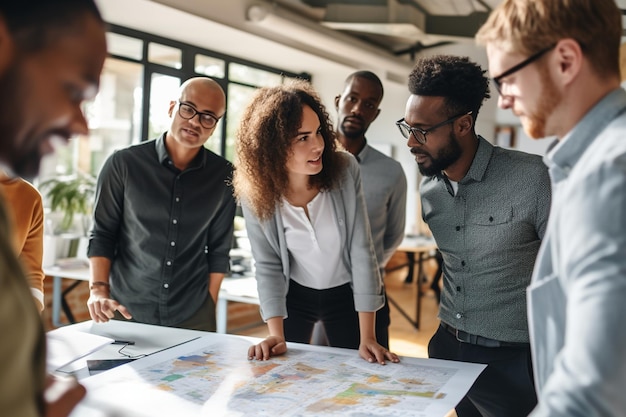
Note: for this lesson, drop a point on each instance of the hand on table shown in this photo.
(271, 346)
(102, 308)
(371, 351)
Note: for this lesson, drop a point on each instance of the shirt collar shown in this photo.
(198, 162)
(480, 162)
(562, 157)
(361, 156)
(160, 149)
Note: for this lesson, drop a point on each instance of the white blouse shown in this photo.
(315, 250)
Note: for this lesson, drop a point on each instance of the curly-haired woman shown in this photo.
(307, 224)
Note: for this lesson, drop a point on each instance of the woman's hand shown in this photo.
(371, 351)
(271, 346)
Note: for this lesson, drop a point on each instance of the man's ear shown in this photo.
(170, 111)
(465, 124)
(569, 56)
(7, 46)
(337, 98)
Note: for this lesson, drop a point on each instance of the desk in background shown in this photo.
(191, 373)
(58, 294)
(241, 290)
(418, 249)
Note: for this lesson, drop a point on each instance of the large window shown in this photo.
(140, 77)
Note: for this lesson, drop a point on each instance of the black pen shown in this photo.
(123, 342)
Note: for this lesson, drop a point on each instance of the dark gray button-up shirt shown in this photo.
(164, 229)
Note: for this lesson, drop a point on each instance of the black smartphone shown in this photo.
(96, 366)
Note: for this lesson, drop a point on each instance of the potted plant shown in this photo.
(72, 195)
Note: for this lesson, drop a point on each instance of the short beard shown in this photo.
(352, 134)
(445, 157)
(22, 161)
(535, 125)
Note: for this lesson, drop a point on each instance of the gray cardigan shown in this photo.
(271, 253)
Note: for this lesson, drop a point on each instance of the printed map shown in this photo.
(217, 379)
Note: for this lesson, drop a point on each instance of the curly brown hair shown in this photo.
(269, 122)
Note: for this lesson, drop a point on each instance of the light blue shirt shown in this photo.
(577, 299)
(384, 189)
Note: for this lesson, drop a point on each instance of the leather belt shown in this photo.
(473, 339)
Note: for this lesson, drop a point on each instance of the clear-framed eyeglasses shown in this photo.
(187, 111)
(420, 134)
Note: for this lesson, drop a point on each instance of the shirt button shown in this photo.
(177, 199)
(462, 263)
(458, 289)
(491, 218)
(175, 221)
(458, 228)
(168, 263)
(172, 243)
(166, 286)
(458, 315)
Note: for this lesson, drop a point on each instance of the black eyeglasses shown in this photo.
(420, 134)
(498, 80)
(207, 120)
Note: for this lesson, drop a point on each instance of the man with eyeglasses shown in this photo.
(487, 208)
(564, 82)
(163, 221)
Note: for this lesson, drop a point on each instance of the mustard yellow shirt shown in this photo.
(25, 212)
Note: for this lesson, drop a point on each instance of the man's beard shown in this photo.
(352, 133)
(535, 122)
(13, 154)
(444, 158)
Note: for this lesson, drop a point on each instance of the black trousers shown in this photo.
(382, 328)
(504, 388)
(334, 307)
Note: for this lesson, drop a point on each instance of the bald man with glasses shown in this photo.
(487, 208)
(163, 221)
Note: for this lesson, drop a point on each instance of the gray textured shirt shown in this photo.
(384, 189)
(163, 229)
(489, 234)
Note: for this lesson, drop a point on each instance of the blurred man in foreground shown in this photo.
(51, 56)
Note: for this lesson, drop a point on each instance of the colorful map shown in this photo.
(313, 381)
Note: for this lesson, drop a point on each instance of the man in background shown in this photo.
(51, 56)
(163, 221)
(383, 180)
(487, 208)
(556, 65)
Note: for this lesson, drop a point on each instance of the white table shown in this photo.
(58, 295)
(147, 339)
(197, 374)
(418, 248)
(240, 290)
